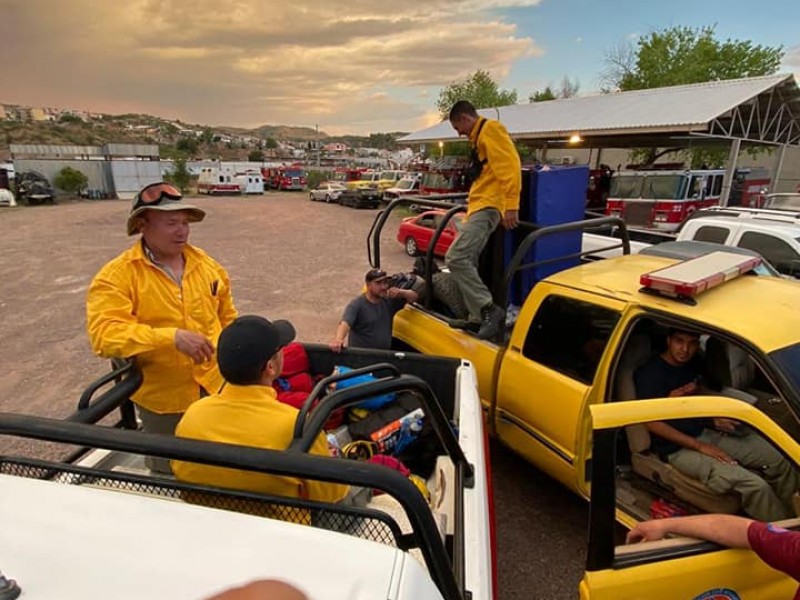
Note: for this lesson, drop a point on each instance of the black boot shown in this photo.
(492, 320)
(464, 324)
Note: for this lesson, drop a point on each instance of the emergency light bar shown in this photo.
(692, 277)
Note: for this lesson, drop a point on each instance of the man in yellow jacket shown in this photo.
(164, 303)
(247, 412)
(493, 198)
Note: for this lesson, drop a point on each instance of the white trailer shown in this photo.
(251, 182)
(218, 181)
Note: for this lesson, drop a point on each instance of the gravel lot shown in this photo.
(288, 258)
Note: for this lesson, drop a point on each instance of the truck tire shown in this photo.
(446, 291)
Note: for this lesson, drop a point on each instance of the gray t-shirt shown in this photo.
(371, 322)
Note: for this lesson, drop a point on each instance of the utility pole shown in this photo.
(317, 143)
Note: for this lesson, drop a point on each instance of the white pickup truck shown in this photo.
(773, 234)
(99, 525)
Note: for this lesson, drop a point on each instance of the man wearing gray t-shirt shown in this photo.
(367, 320)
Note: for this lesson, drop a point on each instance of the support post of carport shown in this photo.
(598, 158)
(776, 170)
(727, 181)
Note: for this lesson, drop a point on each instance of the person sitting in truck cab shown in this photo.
(247, 412)
(713, 451)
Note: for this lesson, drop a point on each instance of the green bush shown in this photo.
(179, 176)
(70, 180)
(314, 178)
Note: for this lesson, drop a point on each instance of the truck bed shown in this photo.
(451, 542)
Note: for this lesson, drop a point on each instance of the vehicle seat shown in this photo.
(649, 465)
(733, 368)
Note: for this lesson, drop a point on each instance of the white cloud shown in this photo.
(247, 62)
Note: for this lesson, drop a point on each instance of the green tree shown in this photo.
(566, 89)
(542, 95)
(255, 156)
(70, 180)
(683, 55)
(271, 143)
(67, 118)
(188, 146)
(479, 88)
(179, 176)
(207, 136)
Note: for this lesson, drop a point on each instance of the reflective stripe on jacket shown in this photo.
(133, 309)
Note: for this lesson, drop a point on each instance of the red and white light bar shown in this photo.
(692, 277)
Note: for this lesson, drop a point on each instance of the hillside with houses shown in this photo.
(63, 126)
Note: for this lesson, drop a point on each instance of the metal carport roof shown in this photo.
(752, 110)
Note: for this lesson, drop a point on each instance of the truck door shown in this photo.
(677, 567)
(548, 375)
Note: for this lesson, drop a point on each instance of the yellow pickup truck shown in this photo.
(558, 389)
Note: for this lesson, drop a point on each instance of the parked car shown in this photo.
(327, 191)
(415, 233)
(404, 187)
(786, 201)
(773, 234)
(361, 198)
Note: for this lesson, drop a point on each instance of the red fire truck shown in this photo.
(343, 175)
(448, 175)
(662, 199)
(286, 177)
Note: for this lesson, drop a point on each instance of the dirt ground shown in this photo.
(287, 257)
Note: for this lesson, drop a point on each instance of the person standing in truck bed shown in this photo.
(496, 174)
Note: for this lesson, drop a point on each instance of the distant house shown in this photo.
(2, 113)
(40, 114)
(335, 148)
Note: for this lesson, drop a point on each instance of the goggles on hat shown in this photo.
(153, 194)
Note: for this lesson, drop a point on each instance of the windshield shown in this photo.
(788, 361)
(367, 176)
(293, 173)
(436, 181)
(339, 177)
(626, 186)
(783, 202)
(663, 187)
(406, 184)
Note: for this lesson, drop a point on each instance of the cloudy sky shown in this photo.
(350, 66)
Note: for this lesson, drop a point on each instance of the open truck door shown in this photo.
(675, 568)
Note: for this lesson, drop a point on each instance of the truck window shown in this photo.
(570, 336)
(707, 233)
(717, 189)
(782, 256)
(696, 187)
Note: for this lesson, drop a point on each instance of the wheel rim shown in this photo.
(327, 198)
(311, 197)
(411, 247)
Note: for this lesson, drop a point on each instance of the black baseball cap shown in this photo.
(375, 275)
(247, 344)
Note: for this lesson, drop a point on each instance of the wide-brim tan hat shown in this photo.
(195, 214)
